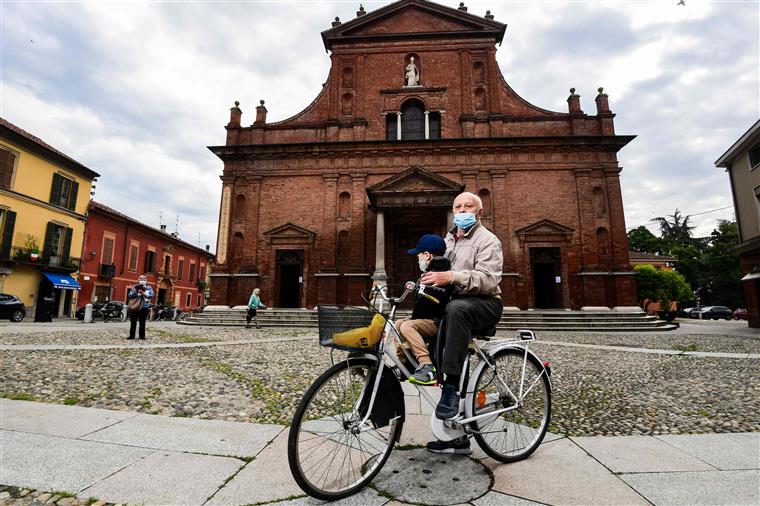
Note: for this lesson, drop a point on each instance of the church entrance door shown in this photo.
(405, 228)
(289, 278)
(546, 265)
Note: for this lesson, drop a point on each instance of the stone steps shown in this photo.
(598, 321)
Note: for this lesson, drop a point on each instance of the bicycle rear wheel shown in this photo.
(330, 455)
(512, 435)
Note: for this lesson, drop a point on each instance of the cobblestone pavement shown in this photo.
(15, 496)
(596, 392)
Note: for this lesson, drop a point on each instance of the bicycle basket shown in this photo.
(349, 328)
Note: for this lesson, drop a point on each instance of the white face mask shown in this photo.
(143, 282)
(423, 264)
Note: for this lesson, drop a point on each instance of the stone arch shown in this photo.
(413, 119)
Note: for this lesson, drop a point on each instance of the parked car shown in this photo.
(713, 312)
(740, 314)
(685, 312)
(11, 308)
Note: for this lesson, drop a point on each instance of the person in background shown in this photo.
(254, 303)
(142, 291)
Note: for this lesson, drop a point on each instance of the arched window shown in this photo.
(344, 205)
(413, 120)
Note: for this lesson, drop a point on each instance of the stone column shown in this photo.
(380, 275)
(427, 124)
(398, 126)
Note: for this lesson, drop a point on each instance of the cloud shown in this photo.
(136, 91)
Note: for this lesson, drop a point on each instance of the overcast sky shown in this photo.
(136, 91)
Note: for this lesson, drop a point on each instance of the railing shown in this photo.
(107, 271)
(30, 256)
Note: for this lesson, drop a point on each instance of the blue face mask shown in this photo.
(465, 220)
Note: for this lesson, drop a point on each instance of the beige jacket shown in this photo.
(476, 261)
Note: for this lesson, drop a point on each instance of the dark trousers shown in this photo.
(134, 317)
(463, 317)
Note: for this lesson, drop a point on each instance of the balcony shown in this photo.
(201, 285)
(32, 256)
(107, 271)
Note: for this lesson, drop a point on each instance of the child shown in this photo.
(427, 312)
(254, 303)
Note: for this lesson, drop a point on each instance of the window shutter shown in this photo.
(49, 235)
(73, 196)
(67, 244)
(7, 239)
(7, 161)
(55, 190)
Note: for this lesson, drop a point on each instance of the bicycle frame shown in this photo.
(384, 353)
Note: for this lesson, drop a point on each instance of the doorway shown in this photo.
(289, 278)
(546, 266)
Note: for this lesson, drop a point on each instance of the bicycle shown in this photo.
(350, 418)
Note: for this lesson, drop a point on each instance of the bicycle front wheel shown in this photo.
(511, 435)
(331, 455)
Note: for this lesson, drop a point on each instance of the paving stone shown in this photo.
(56, 419)
(724, 451)
(166, 478)
(214, 437)
(561, 473)
(420, 477)
(499, 499)
(416, 430)
(267, 478)
(708, 488)
(364, 497)
(52, 463)
(639, 454)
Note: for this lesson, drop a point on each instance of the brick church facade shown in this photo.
(414, 111)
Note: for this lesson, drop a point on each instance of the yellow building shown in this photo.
(43, 204)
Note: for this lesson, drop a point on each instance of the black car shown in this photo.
(713, 312)
(11, 308)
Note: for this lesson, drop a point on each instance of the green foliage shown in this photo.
(664, 286)
(642, 240)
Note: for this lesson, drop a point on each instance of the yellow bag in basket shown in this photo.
(363, 337)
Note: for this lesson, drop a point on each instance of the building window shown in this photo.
(57, 245)
(413, 120)
(202, 272)
(180, 269)
(167, 265)
(189, 299)
(107, 257)
(102, 293)
(754, 157)
(199, 300)
(7, 167)
(150, 262)
(7, 225)
(134, 251)
(64, 192)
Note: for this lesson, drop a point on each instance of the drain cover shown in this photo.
(421, 477)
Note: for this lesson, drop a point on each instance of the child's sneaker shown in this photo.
(423, 375)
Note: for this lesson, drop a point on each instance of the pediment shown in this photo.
(417, 17)
(545, 228)
(290, 231)
(414, 187)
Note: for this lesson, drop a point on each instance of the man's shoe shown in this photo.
(448, 406)
(423, 375)
(130, 338)
(458, 446)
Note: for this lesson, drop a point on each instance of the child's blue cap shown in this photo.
(430, 243)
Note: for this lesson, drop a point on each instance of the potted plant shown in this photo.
(34, 249)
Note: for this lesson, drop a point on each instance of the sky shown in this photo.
(137, 90)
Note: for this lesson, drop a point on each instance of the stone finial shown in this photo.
(361, 12)
(462, 7)
(488, 15)
(602, 102)
(235, 114)
(336, 22)
(574, 102)
(261, 114)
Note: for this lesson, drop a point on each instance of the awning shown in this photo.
(62, 281)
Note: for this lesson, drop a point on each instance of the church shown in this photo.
(318, 207)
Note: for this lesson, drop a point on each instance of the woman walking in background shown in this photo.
(254, 303)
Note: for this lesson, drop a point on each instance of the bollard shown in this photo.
(124, 313)
(88, 313)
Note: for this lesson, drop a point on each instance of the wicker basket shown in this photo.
(335, 319)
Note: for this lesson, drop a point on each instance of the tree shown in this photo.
(721, 268)
(663, 286)
(642, 240)
(676, 230)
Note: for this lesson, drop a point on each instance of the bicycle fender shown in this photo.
(499, 347)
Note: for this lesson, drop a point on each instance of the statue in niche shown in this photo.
(412, 74)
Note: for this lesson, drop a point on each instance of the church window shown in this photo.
(416, 123)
